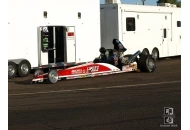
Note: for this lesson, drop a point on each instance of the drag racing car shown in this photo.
(110, 61)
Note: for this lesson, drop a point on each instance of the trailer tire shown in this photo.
(146, 63)
(12, 70)
(24, 68)
(38, 72)
(155, 54)
(53, 76)
(145, 51)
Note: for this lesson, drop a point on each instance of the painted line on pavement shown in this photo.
(86, 89)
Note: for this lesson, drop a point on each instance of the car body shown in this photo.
(110, 61)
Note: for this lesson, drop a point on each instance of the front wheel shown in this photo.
(146, 63)
(38, 72)
(53, 76)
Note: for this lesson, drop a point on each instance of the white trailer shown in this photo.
(51, 33)
(151, 29)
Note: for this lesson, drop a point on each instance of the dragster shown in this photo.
(110, 61)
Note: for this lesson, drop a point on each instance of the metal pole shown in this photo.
(54, 44)
(143, 1)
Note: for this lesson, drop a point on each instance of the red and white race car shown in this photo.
(105, 64)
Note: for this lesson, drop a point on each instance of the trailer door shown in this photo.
(70, 44)
(52, 47)
(129, 31)
(168, 47)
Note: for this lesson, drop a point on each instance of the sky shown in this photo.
(147, 2)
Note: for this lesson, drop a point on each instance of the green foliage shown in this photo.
(176, 2)
(179, 4)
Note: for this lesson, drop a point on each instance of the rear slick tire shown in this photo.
(146, 63)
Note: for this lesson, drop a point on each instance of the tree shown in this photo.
(176, 2)
(179, 4)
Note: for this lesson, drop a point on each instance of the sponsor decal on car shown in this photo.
(92, 69)
(83, 76)
(78, 71)
(127, 69)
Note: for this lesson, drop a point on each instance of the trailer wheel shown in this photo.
(38, 72)
(155, 54)
(146, 63)
(24, 68)
(145, 52)
(53, 76)
(12, 70)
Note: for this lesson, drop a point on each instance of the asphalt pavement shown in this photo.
(129, 101)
